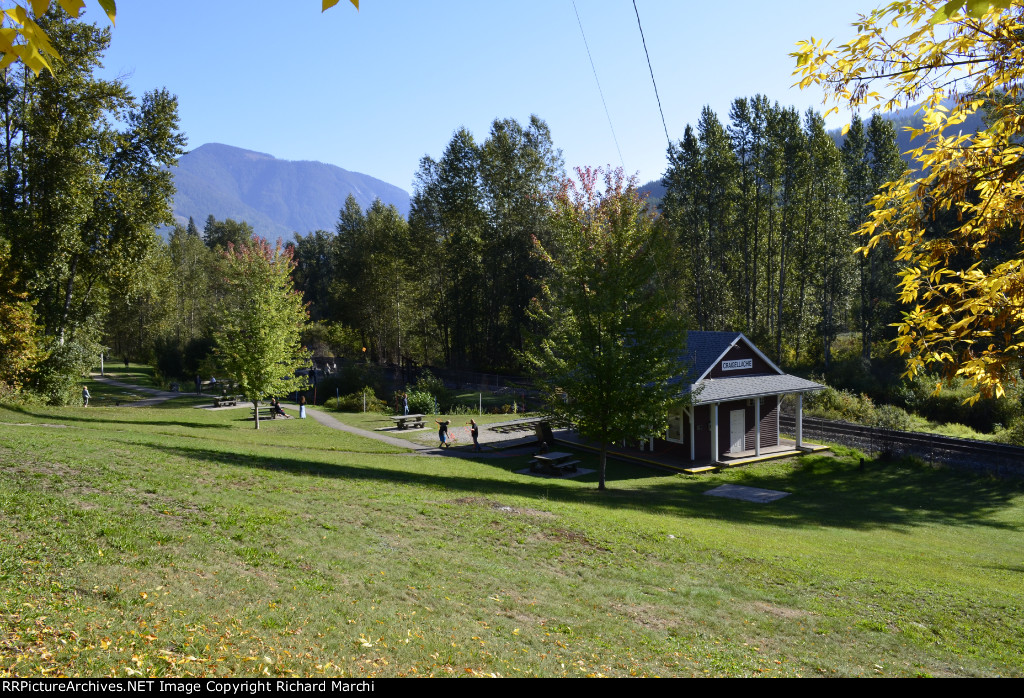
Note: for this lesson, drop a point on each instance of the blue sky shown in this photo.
(375, 90)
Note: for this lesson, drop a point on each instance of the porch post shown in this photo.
(693, 451)
(714, 432)
(799, 420)
(757, 426)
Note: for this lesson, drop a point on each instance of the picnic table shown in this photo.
(554, 463)
(268, 412)
(225, 401)
(405, 421)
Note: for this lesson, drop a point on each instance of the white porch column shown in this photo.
(714, 432)
(693, 448)
(757, 426)
(799, 420)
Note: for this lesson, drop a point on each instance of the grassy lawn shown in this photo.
(176, 541)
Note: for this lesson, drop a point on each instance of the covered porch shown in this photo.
(661, 453)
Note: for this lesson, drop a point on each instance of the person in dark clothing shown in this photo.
(442, 433)
(474, 431)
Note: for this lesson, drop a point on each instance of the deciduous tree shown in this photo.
(958, 57)
(260, 322)
(610, 332)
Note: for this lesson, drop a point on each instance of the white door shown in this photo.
(737, 427)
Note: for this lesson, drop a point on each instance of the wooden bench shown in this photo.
(406, 421)
(225, 401)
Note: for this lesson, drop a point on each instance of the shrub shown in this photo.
(421, 402)
(1012, 434)
(350, 379)
(11, 395)
(841, 405)
(428, 383)
(59, 375)
(353, 402)
(890, 417)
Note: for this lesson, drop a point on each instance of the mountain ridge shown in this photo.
(276, 197)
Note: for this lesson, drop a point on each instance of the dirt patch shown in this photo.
(779, 611)
(34, 424)
(504, 508)
(646, 616)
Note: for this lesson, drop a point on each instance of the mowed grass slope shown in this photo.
(175, 541)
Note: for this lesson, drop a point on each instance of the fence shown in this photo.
(980, 456)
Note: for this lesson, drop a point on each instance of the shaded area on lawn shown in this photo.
(826, 491)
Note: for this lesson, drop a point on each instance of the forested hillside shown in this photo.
(277, 197)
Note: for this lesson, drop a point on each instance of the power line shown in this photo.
(599, 90)
(664, 125)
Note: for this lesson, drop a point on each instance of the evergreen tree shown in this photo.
(221, 234)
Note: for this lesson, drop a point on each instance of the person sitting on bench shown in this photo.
(275, 408)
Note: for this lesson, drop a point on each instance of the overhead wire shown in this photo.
(653, 82)
(599, 90)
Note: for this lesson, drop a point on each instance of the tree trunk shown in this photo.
(601, 468)
(67, 300)
(256, 413)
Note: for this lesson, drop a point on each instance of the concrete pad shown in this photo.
(747, 494)
(563, 476)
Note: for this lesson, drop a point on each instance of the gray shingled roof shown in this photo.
(705, 348)
(702, 351)
(723, 389)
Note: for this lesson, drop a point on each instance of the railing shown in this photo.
(983, 456)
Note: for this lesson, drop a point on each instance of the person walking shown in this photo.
(85, 397)
(442, 433)
(474, 431)
(405, 403)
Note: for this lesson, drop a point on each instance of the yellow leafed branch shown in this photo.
(955, 59)
(21, 39)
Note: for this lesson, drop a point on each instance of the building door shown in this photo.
(675, 425)
(737, 430)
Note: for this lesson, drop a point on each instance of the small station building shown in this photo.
(734, 409)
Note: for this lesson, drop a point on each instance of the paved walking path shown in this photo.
(418, 448)
(158, 396)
